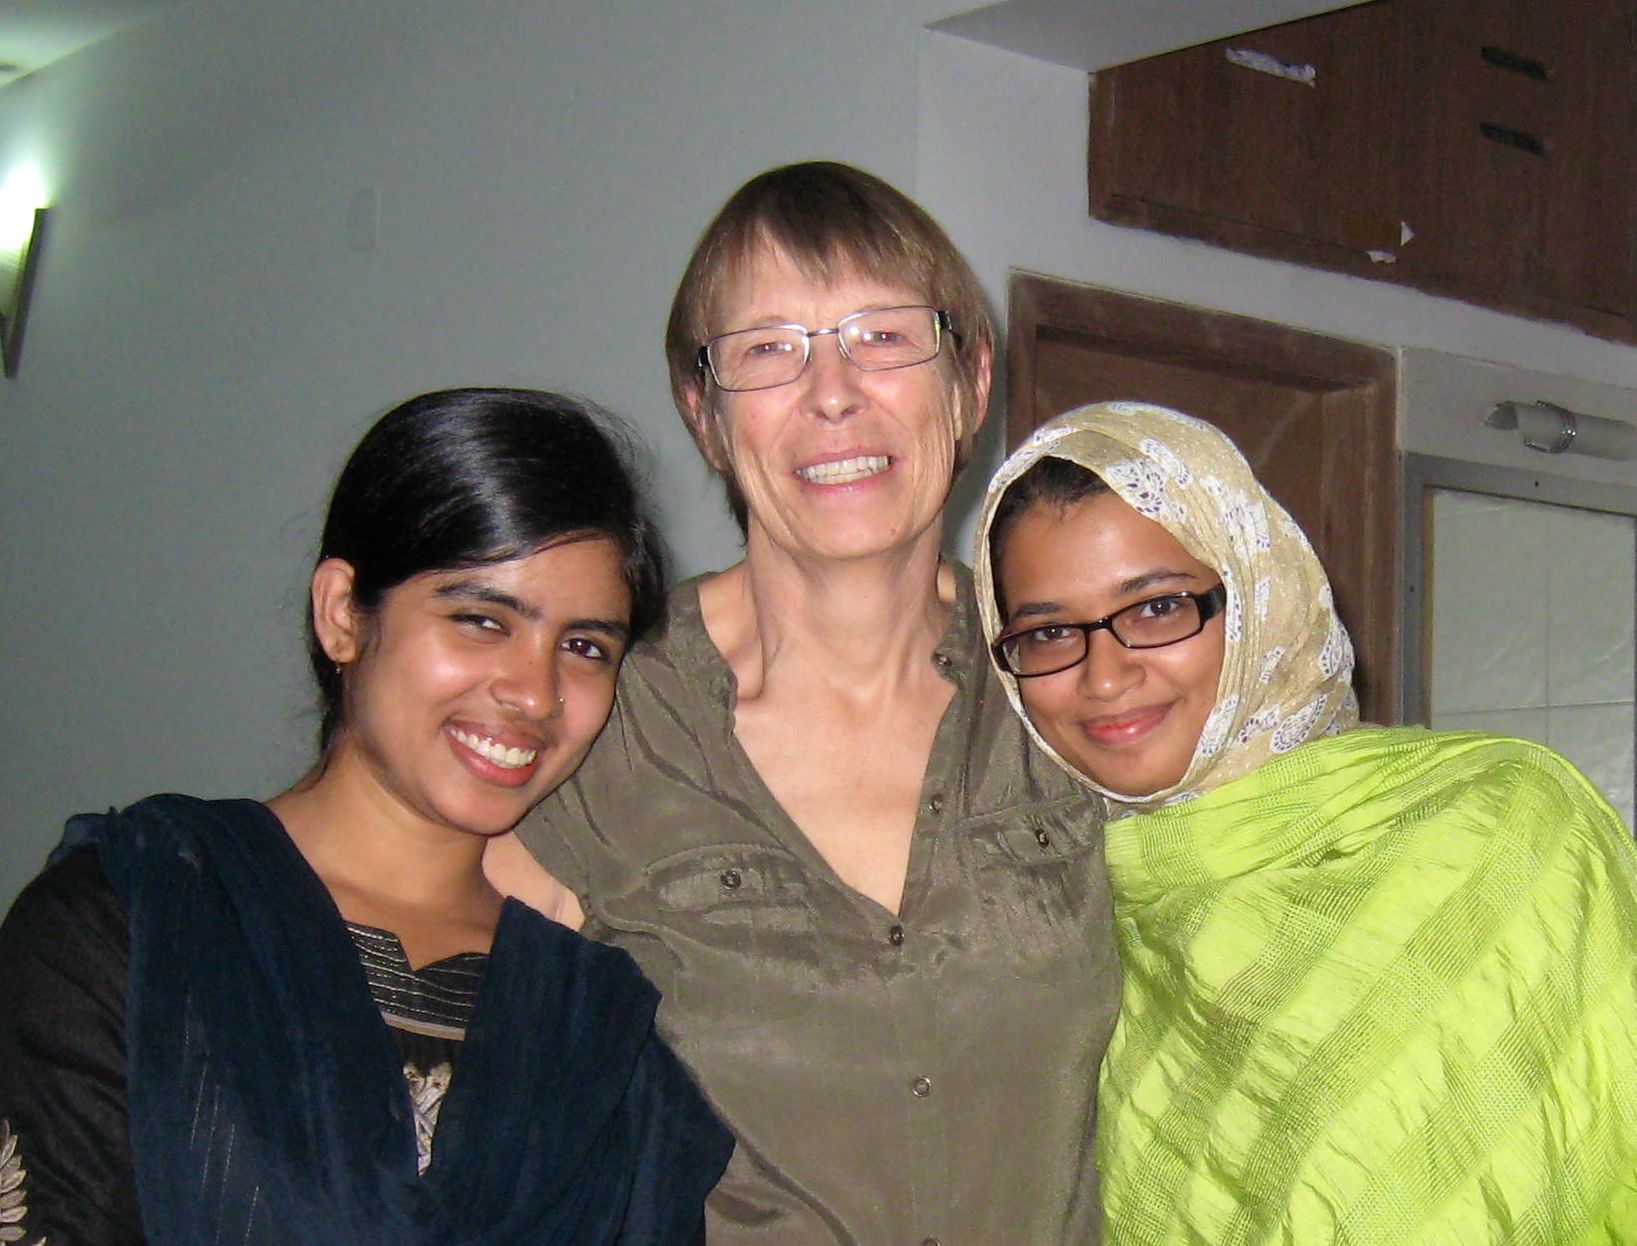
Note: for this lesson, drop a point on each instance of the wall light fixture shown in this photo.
(22, 234)
(1552, 429)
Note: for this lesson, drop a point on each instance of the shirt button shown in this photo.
(943, 661)
(936, 804)
(921, 1087)
(731, 879)
(931, 1241)
(1041, 838)
(895, 936)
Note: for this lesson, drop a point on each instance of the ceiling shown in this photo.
(33, 33)
(1094, 34)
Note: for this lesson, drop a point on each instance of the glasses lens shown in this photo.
(757, 358)
(1157, 621)
(891, 337)
(1044, 650)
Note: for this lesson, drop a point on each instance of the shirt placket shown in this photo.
(922, 1067)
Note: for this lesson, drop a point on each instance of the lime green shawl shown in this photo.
(1380, 991)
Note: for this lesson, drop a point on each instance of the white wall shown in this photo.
(205, 347)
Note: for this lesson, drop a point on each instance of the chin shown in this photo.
(1138, 783)
(489, 818)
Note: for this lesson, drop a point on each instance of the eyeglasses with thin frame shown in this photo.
(1151, 623)
(877, 339)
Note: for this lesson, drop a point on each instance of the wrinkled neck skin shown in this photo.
(865, 625)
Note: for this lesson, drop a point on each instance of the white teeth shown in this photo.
(845, 471)
(508, 758)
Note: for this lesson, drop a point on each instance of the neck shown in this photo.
(865, 625)
(362, 842)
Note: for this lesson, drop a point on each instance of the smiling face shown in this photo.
(1126, 718)
(471, 694)
(839, 463)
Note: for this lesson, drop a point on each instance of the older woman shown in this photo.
(1380, 983)
(877, 915)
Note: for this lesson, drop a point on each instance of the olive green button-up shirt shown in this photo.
(893, 1079)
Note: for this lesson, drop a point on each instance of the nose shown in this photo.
(1110, 669)
(528, 685)
(833, 383)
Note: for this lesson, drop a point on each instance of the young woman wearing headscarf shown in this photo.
(1380, 983)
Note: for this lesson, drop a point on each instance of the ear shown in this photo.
(982, 375)
(337, 621)
(704, 422)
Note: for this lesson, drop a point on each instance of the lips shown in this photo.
(496, 761)
(1127, 727)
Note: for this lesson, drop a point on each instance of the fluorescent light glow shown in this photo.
(22, 192)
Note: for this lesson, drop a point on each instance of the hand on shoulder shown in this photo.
(514, 872)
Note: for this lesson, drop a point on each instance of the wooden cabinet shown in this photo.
(1485, 149)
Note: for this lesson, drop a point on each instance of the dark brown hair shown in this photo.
(1057, 483)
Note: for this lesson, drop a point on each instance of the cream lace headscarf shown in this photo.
(1287, 665)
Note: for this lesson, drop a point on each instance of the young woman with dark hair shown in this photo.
(312, 1020)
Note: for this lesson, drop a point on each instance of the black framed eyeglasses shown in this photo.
(1149, 624)
(878, 339)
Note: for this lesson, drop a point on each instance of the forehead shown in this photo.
(1087, 548)
(770, 282)
(585, 576)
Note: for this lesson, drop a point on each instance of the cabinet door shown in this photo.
(1279, 138)
(1520, 154)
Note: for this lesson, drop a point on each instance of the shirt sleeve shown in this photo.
(66, 1172)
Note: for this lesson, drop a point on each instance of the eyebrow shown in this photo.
(1125, 588)
(774, 321)
(476, 590)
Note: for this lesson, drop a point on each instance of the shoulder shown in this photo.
(570, 976)
(1507, 809)
(65, 1164)
(167, 836)
(1004, 765)
(161, 815)
(1498, 775)
(64, 961)
(673, 711)
(675, 655)
(71, 899)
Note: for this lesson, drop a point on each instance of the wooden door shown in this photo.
(1313, 415)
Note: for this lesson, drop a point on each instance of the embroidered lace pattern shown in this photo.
(13, 1190)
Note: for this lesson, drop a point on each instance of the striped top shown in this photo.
(427, 1011)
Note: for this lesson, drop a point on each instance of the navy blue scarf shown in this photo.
(267, 1102)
